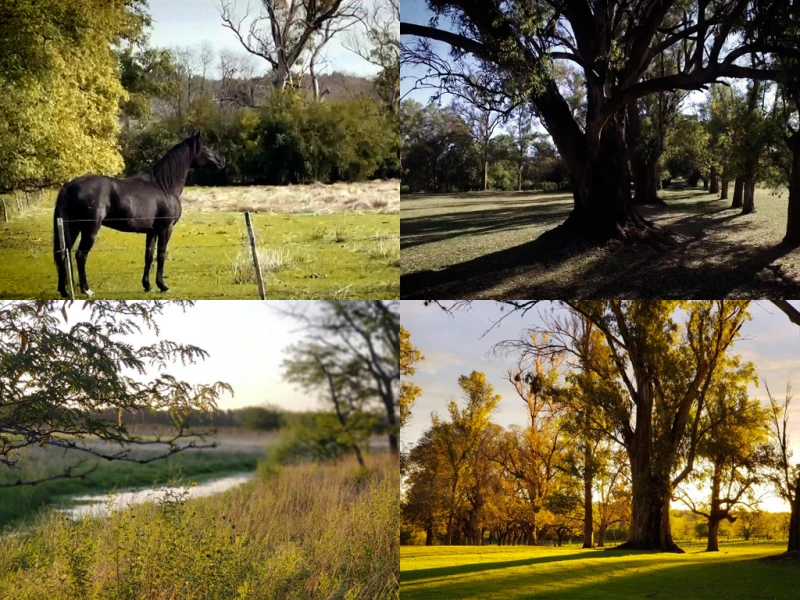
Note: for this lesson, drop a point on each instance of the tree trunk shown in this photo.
(485, 181)
(714, 188)
(604, 207)
(738, 193)
(601, 535)
(749, 202)
(519, 177)
(793, 221)
(713, 536)
(705, 184)
(429, 535)
(645, 182)
(724, 190)
(794, 521)
(650, 529)
(588, 480)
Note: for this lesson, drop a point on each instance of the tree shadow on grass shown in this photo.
(658, 578)
(698, 268)
(418, 574)
(416, 231)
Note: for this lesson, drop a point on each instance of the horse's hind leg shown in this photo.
(63, 260)
(88, 236)
(163, 240)
(148, 259)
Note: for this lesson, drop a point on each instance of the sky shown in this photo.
(182, 23)
(456, 345)
(246, 342)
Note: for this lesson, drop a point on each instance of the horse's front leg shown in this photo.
(88, 236)
(148, 259)
(163, 240)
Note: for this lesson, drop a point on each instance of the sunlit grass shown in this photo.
(570, 573)
(200, 254)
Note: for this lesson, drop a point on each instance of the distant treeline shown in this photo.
(260, 418)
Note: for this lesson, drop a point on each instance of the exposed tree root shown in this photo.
(794, 555)
(639, 545)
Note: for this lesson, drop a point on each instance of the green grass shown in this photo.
(21, 504)
(570, 573)
(483, 245)
(309, 531)
(202, 254)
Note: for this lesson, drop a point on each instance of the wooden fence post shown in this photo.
(252, 235)
(65, 256)
(5, 210)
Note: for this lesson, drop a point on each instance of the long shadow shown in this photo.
(641, 272)
(715, 579)
(417, 574)
(416, 231)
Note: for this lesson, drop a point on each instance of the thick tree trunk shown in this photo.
(485, 182)
(604, 207)
(793, 221)
(705, 184)
(794, 521)
(749, 201)
(650, 528)
(713, 536)
(724, 189)
(519, 177)
(714, 187)
(601, 536)
(429, 535)
(645, 182)
(738, 193)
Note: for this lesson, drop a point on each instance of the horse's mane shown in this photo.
(170, 170)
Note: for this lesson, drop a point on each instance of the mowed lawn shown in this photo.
(514, 573)
(483, 245)
(322, 254)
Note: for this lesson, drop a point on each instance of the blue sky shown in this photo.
(181, 23)
(453, 346)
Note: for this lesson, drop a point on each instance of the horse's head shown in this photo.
(205, 157)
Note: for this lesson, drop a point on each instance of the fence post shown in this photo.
(65, 256)
(252, 235)
(5, 210)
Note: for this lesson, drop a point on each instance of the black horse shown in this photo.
(148, 203)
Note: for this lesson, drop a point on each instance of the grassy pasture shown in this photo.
(571, 573)
(308, 531)
(313, 243)
(483, 245)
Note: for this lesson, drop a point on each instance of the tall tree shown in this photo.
(785, 476)
(59, 376)
(459, 440)
(360, 335)
(283, 30)
(733, 433)
(614, 43)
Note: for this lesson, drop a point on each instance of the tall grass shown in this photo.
(306, 531)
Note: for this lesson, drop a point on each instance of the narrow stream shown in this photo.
(102, 504)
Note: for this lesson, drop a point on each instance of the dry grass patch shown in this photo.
(369, 196)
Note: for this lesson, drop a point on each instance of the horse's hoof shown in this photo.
(147, 288)
(88, 292)
(163, 288)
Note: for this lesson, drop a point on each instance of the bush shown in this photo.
(549, 186)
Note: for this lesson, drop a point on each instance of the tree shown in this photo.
(283, 30)
(61, 88)
(665, 367)
(423, 504)
(459, 440)
(613, 43)
(521, 126)
(733, 433)
(409, 392)
(342, 381)
(359, 342)
(785, 477)
(380, 45)
(58, 377)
